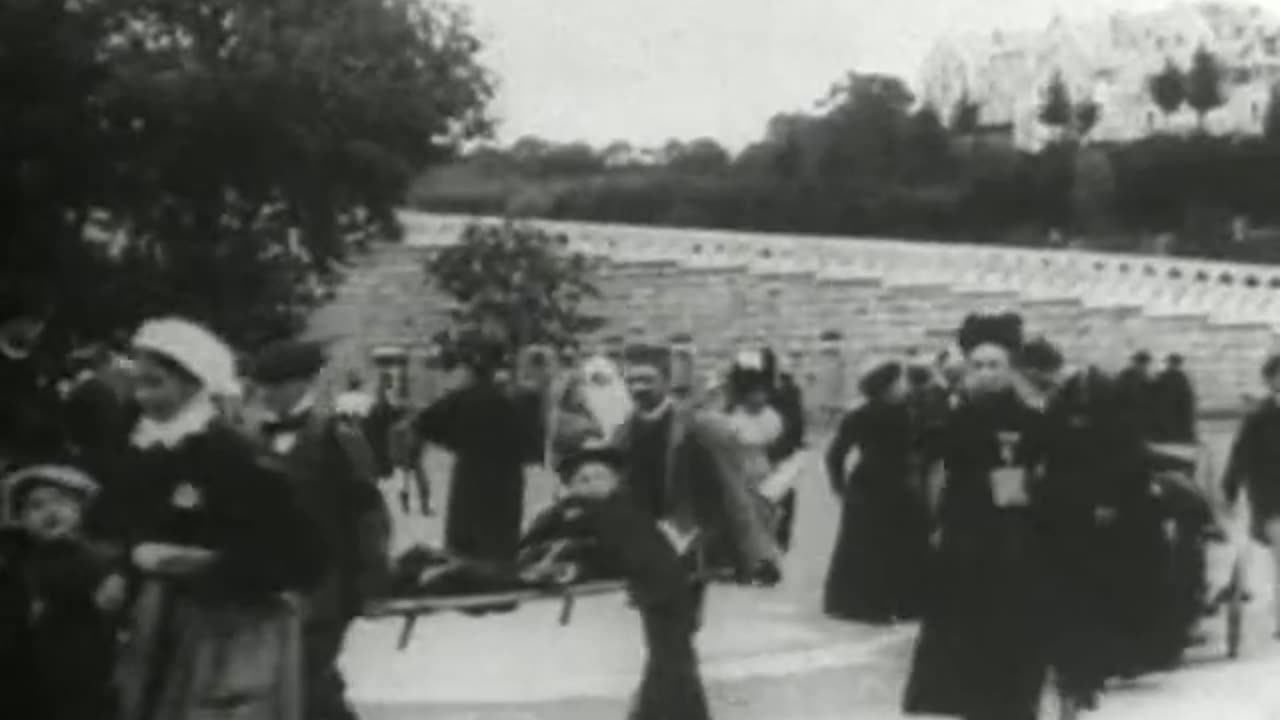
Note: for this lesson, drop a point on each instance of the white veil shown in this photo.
(605, 394)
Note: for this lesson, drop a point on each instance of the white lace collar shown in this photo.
(191, 420)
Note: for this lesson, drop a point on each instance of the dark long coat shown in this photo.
(882, 543)
(983, 645)
(481, 426)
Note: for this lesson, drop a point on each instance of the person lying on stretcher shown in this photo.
(592, 533)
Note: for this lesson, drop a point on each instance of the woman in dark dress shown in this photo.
(981, 654)
(208, 538)
(883, 534)
(481, 425)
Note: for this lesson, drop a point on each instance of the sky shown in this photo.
(646, 71)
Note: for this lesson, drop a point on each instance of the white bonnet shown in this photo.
(196, 349)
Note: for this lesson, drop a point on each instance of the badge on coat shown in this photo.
(187, 496)
(284, 442)
(1009, 479)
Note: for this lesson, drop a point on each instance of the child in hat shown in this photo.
(55, 598)
(657, 579)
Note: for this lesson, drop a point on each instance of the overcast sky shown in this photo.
(649, 70)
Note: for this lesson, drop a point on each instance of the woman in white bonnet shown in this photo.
(208, 537)
(605, 394)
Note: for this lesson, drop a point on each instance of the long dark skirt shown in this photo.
(982, 650)
(877, 567)
(485, 512)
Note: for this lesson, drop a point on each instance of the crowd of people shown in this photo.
(179, 522)
(1020, 508)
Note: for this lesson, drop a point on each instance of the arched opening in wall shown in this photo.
(1175, 273)
(1202, 276)
(1226, 279)
(766, 253)
(1274, 284)
(1148, 271)
(1124, 268)
(1099, 265)
(1251, 282)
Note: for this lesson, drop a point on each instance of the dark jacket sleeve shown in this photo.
(838, 451)
(1239, 461)
(650, 564)
(274, 546)
(437, 422)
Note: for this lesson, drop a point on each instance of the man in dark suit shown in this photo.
(331, 465)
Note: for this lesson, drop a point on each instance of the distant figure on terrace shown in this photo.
(1173, 404)
(1135, 385)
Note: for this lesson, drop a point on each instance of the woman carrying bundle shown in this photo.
(208, 536)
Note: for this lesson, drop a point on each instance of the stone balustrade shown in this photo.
(869, 299)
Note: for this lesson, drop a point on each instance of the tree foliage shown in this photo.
(1056, 109)
(964, 116)
(517, 284)
(1204, 85)
(1168, 88)
(1271, 121)
(233, 151)
(1086, 113)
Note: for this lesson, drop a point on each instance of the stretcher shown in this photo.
(410, 610)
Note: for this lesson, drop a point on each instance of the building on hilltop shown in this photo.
(1110, 62)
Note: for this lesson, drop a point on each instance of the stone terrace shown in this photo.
(831, 306)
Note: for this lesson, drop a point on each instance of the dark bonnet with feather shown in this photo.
(1003, 330)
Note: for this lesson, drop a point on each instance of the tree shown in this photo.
(1056, 110)
(1271, 122)
(964, 116)
(928, 147)
(1204, 85)
(1087, 114)
(517, 284)
(1168, 89)
(235, 152)
(1092, 189)
(701, 157)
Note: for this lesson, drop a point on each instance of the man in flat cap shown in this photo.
(331, 464)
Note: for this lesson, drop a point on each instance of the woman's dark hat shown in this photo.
(287, 361)
(471, 349)
(1003, 330)
(605, 454)
(649, 355)
(882, 377)
(1040, 354)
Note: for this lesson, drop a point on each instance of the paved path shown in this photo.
(767, 654)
